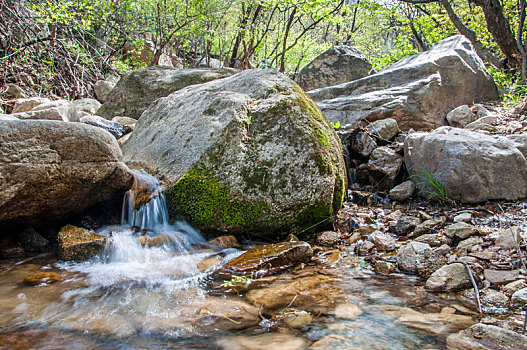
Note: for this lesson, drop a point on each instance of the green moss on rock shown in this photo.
(203, 200)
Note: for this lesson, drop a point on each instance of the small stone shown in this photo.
(508, 238)
(383, 167)
(275, 341)
(385, 129)
(402, 192)
(510, 288)
(361, 144)
(328, 238)
(490, 298)
(409, 255)
(42, 277)
(298, 319)
(449, 278)
(467, 245)
(224, 242)
(427, 227)
(499, 277)
(79, 244)
(88, 105)
(460, 116)
(405, 225)
(383, 241)
(364, 248)
(489, 120)
(347, 311)
(519, 298)
(27, 104)
(461, 230)
(434, 240)
(463, 217)
(384, 267)
(442, 250)
(429, 262)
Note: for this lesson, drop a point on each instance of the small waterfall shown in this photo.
(144, 205)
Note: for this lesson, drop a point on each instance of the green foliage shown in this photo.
(511, 87)
(236, 282)
(437, 192)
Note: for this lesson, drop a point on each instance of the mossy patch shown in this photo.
(205, 202)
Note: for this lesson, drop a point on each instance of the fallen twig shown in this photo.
(474, 284)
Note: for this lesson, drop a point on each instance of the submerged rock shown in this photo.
(268, 259)
(337, 65)
(246, 154)
(52, 169)
(470, 166)
(42, 278)
(78, 244)
(418, 91)
(275, 341)
(138, 89)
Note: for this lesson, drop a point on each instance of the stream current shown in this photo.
(136, 296)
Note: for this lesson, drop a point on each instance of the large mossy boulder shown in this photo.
(49, 169)
(138, 89)
(248, 153)
(418, 91)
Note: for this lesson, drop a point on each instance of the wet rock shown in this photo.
(32, 241)
(266, 341)
(42, 278)
(460, 116)
(495, 166)
(499, 277)
(461, 230)
(156, 241)
(67, 168)
(347, 311)
(337, 65)
(384, 129)
(433, 240)
(209, 263)
(269, 259)
(433, 323)
(229, 152)
(519, 298)
(482, 336)
(383, 167)
(384, 267)
(312, 293)
(298, 319)
(79, 244)
(383, 241)
(27, 104)
(418, 91)
(225, 314)
(330, 341)
(510, 288)
(328, 238)
(102, 88)
(490, 298)
(463, 217)
(405, 225)
(402, 192)
(361, 144)
(427, 227)
(88, 105)
(138, 89)
(224, 242)
(116, 129)
(449, 278)
(409, 256)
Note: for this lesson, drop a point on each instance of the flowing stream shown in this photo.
(150, 289)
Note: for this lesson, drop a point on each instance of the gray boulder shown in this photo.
(460, 116)
(471, 167)
(418, 91)
(246, 153)
(50, 169)
(102, 88)
(138, 89)
(337, 65)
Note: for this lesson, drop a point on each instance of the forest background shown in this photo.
(62, 47)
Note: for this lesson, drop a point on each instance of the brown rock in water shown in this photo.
(223, 242)
(79, 244)
(42, 277)
(269, 259)
(156, 241)
(328, 238)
